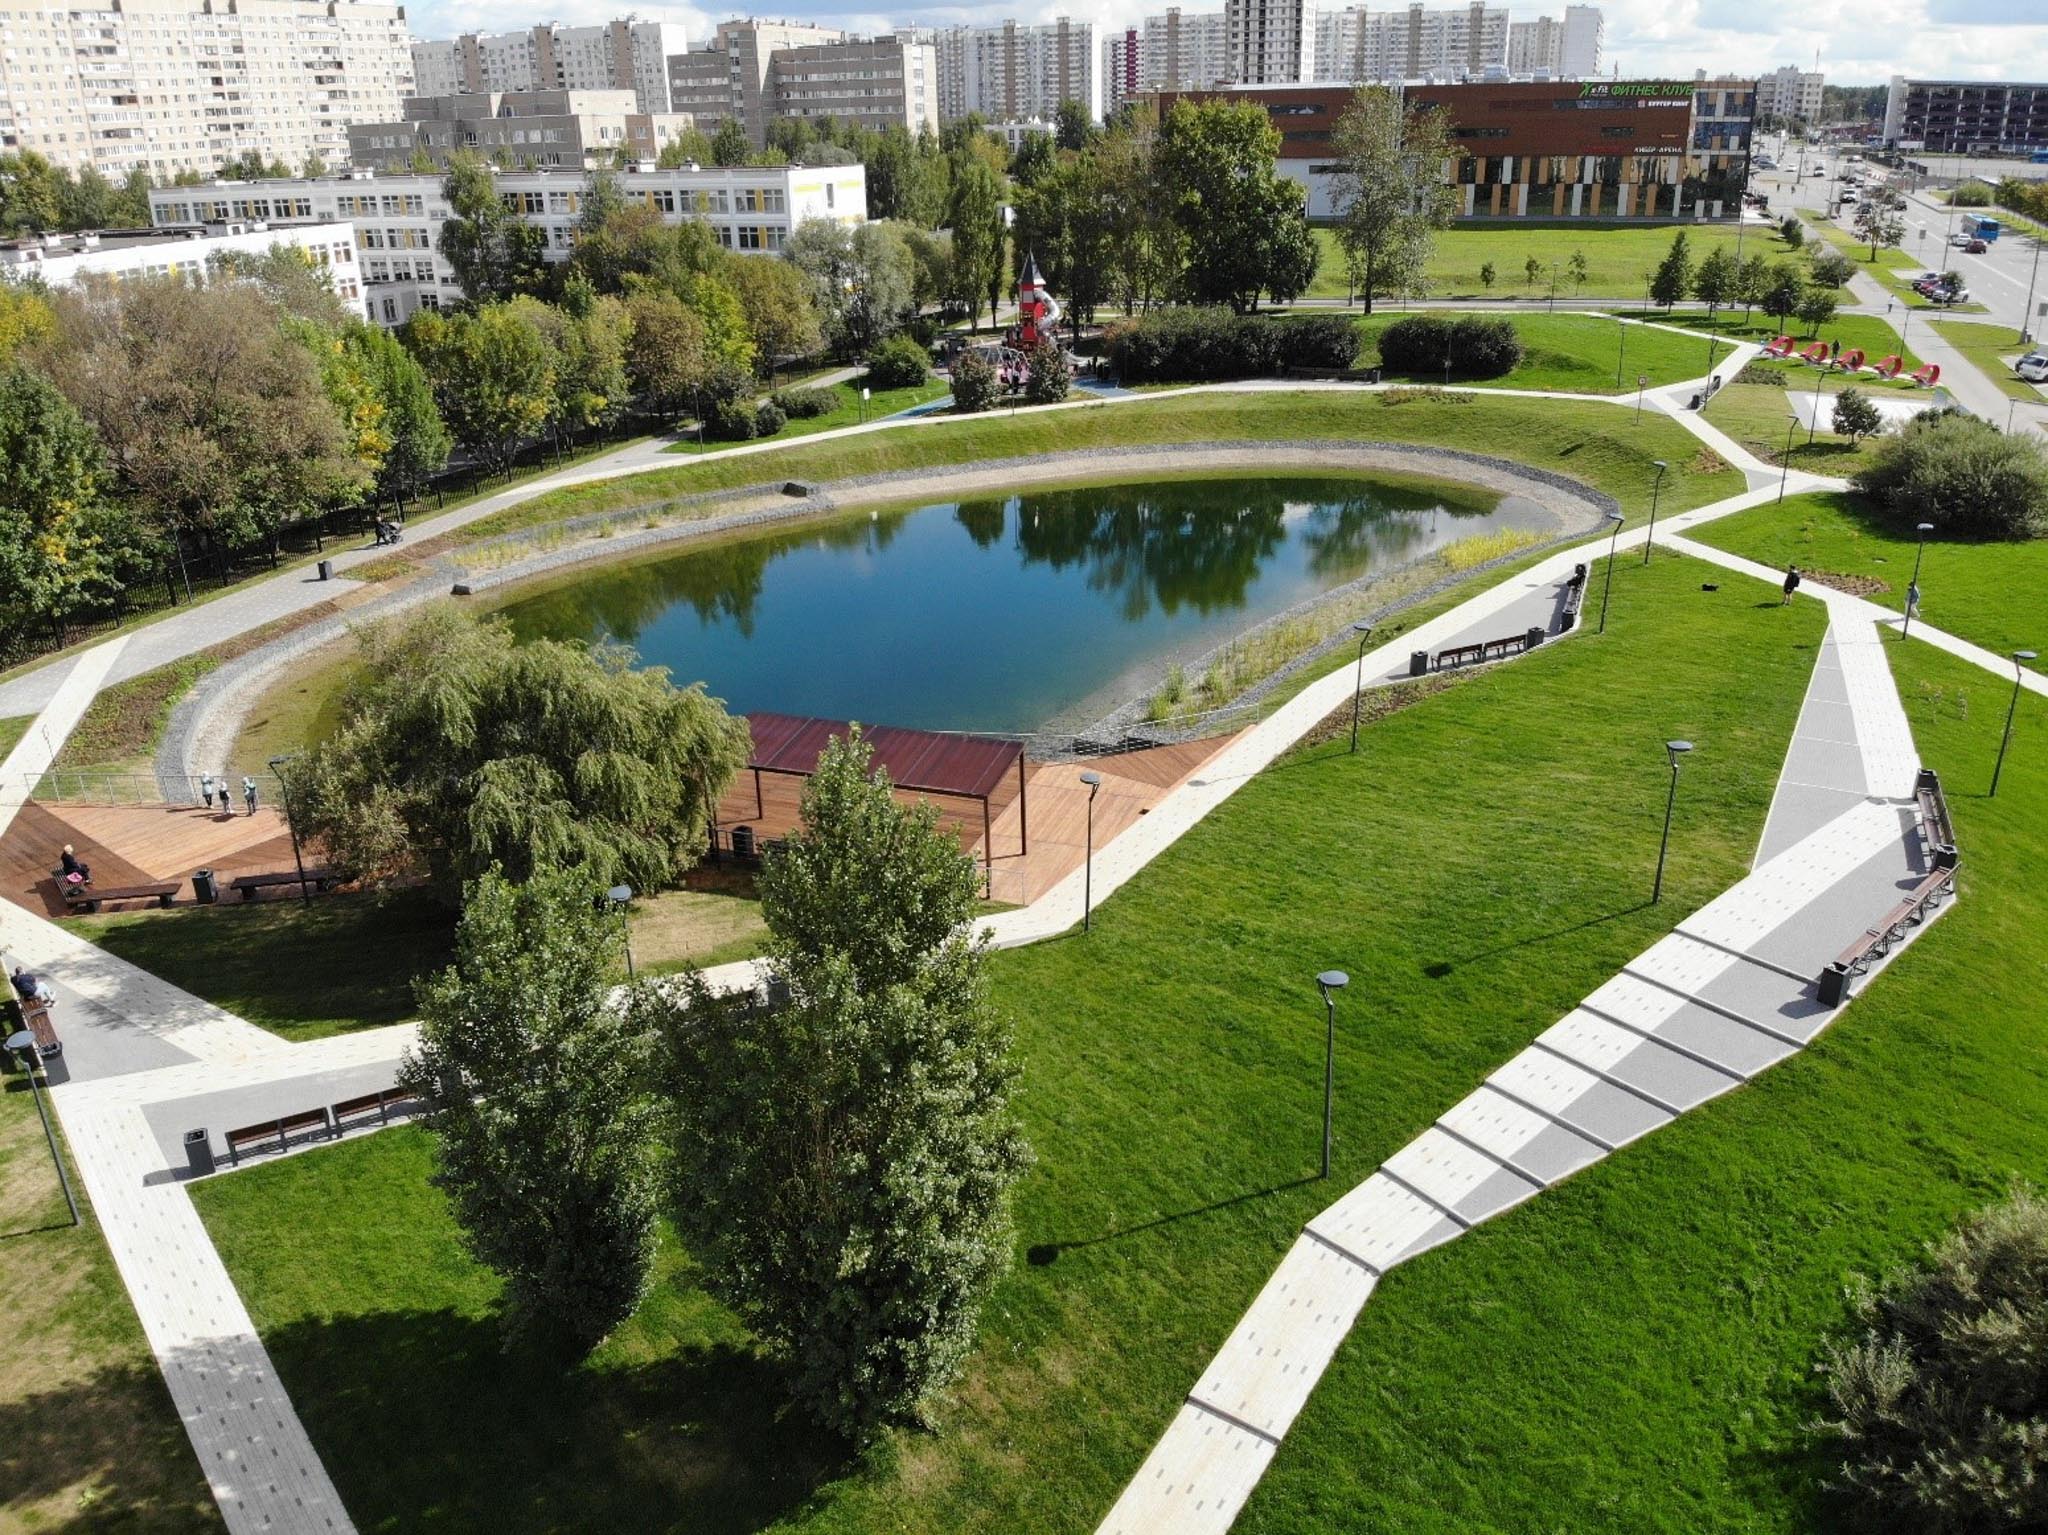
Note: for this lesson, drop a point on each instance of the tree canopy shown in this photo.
(1389, 190)
(1244, 223)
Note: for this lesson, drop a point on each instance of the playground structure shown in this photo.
(1829, 356)
(1038, 312)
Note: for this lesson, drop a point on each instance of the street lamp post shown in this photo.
(2019, 657)
(1621, 352)
(1923, 529)
(1364, 632)
(24, 1046)
(1785, 465)
(1330, 982)
(1655, 490)
(1607, 588)
(291, 822)
(1676, 750)
(1094, 782)
(2027, 309)
(620, 896)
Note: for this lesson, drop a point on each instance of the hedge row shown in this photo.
(1475, 348)
(1200, 345)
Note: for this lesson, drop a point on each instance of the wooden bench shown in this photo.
(275, 1134)
(35, 1018)
(1935, 825)
(249, 884)
(88, 897)
(377, 1107)
(1877, 941)
(1459, 655)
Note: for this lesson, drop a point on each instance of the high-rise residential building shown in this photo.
(1384, 47)
(1966, 116)
(523, 128)
(1120, 54)
(626, 55)
(1173, 52)
(1788, 93)
(876, 83)
(398, 218)
(728, 77)
(183, 85)
(1268, 42)
(1015, 73)
(1562, 50)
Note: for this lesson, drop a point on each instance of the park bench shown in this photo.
(1877, 941)
(35, 1018)
(1460, 655)
(1574, 599)
(377, 1107)
(88, 897)
(276, 1134)
(249, 884)
(1935, 825)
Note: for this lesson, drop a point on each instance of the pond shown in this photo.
(1012, 613)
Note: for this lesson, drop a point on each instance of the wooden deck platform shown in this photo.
(136, 845)
(1054, 811)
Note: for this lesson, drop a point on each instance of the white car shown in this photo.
(2033, 367)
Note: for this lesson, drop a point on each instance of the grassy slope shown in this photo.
(1171, 1063)
(1988, 592)
(12, 729)
(1599, 444)
(884, 402)
(1632, 1352)
(1867, 331)
(89, 1440)
(1758, 416)
(1577, 353)
(1618, 258)
(1992, 348)
(344, 962)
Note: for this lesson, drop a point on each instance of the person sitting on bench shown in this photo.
(31, 988)
(73, 868)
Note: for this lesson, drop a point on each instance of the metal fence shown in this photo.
(121, 786)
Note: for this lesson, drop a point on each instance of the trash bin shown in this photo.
(204, 891)
(1418, 663)
(743, 842)
(198, 1153)
(327, 570)
(1533, 638)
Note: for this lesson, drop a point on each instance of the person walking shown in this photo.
(1791, 583)
(206, 789)
(249, 793)
(1912, 600)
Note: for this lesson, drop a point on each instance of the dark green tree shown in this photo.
(417, 439)
(495, 253)
(1674, 273)
(1072, 128)
(729, 144)
(1217, 164)
(1389, 191)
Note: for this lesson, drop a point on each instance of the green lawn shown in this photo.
(1759, 415)
(1619, 258)
(302, 971)
(1992, 349)
(1870, 332)
(89, 1440)
(1598, 444)
(1632, 1352)
(1985, 591)
(1171, 1073)
(12, 729)
(1576, 353)
(1894, 269)
(884, 403)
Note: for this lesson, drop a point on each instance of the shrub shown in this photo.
(1939, 1395)
(1199, 345)
(769, 418)
(1476, 348)
(974, 383)
(1830, 267)
(1791, 231)
(802, 404)
(1961, 474)
(1765, 374)
(731, 421)
(1048, 378)
(1970, 194)
(898, 363)
(1856, 414)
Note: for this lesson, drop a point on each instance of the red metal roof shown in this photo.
(927, 761)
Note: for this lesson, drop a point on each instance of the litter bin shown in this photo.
(1418, 663)
(743, 841)
(198, 1153)
(1533, 637)
(204, 891)
(327, 570)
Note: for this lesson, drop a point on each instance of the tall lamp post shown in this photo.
(1655, 490)
(2019, 657)
(620, 896)
(2027, 309)
(1785, 465)
(1330, 982)
(1676, 750)
(24, 1046)
(291, 822)
(1923, 529)
(1364, 632)
(1094, 782)
(1607, 589)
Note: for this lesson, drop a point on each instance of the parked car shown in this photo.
(1956, 295)
(1961, 241)
(2033, 367)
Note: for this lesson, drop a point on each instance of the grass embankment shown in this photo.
(1480, 864)
(884, 402)
(1869, 332)
(1987, 591)
(12, 729)
(110, 754)
(1598, 444)
(1759, 415)
(1893, 268)
(1991, 350)
(1633, 1351)
(1619, 258)
(1575, 353)
(88, 1437)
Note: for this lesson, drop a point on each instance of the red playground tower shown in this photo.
(1038, 312)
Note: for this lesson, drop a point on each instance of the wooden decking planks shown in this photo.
(135, 845)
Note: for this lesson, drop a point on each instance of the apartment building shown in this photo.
(397, 219)
(626, 55)
(1385, 47)
(522, 128)
(1014, 73)
(876, 83)
(1176, 51)
(728, 77)
(1787, 94)
(64, 261)
(184, 85)
(1558, 49)
(1268, 42)
(1966, 116)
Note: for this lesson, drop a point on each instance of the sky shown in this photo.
(1860, 42)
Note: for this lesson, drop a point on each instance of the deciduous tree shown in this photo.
(1389, 190)
(1217, 164)
(495, 253)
